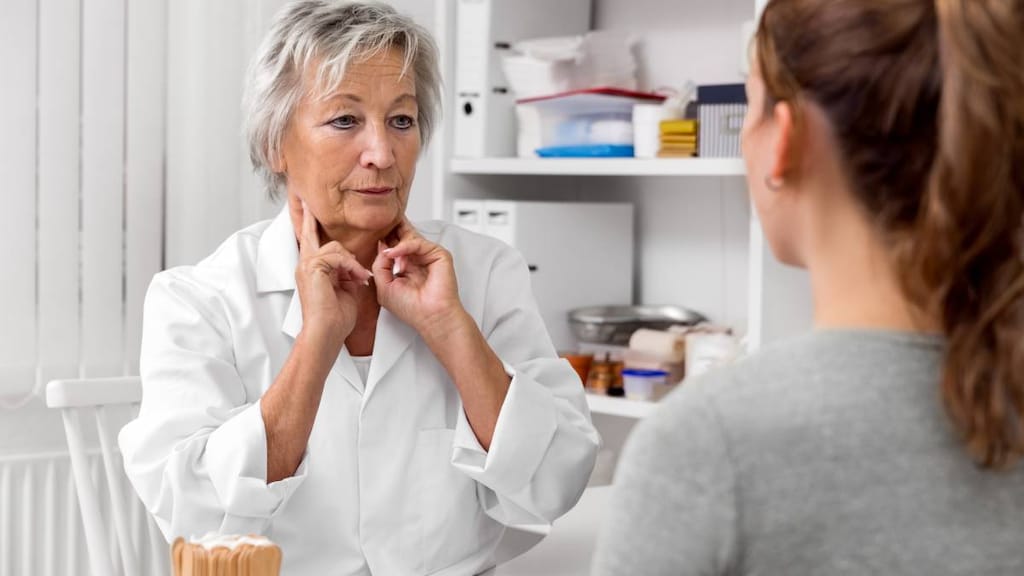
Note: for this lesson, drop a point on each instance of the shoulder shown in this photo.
(791, 380)
(754, 386)
(738, 395)
(230, 267)
(457, 239)
(472, 253)
(771, 400)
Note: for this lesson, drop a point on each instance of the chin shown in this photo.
(375, 218)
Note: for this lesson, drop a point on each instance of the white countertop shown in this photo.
(567, 550)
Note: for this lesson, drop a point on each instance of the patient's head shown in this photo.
(907, 115)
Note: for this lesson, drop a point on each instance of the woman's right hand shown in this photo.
(327, 278)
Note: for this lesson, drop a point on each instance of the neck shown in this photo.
(853, 280)
(362, 244)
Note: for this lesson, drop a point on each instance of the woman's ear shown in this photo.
(277, 162)
(784, 149)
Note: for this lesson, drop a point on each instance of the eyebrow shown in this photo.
(405, 96)
(358, 100)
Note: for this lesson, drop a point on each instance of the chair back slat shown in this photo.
(118, 502)
(99, 401)
(88, 502)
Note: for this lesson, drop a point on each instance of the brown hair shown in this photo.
(926, 101)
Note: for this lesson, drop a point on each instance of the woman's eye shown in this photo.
(403, 122)
(344, 122)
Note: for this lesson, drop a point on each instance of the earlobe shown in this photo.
(277, 163)
(276, 159)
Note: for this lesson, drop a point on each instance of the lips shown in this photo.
(375, 191)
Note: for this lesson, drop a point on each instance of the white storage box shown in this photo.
(600, 116)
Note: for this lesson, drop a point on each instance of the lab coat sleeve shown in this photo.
(544, 444)
(196, 454)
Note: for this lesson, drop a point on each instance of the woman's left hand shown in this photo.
(416, 282)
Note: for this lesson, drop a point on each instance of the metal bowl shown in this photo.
(615, 324)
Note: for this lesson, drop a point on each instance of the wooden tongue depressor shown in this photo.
(204, 561)
(177, 549)
(188, 561)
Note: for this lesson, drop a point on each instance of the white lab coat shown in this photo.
(393, 480)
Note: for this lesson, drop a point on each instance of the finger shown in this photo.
(414, 246)
(345, 266)
(310, 240)
(335, 247)
(383, 266)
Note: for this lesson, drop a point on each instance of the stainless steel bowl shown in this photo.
(615, 324)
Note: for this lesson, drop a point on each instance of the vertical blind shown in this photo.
(82, 113)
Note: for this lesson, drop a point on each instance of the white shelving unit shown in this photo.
(600, 166)
(699, 243)
(620, 406)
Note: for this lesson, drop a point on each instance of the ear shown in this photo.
(784, 154)
(278, 165)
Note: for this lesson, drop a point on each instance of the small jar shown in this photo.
(640, 384)
(600, 378)
(616, 388)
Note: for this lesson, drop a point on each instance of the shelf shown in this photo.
(601, 166)
(620, 406)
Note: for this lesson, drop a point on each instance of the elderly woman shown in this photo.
(375, 397)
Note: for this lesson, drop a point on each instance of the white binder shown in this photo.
(484, 105)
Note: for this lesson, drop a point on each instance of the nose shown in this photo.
(377, 149)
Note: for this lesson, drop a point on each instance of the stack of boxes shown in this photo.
(678, 139)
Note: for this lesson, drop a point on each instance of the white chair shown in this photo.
(98, 399)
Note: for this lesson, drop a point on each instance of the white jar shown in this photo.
(640, 384)
(647, 129)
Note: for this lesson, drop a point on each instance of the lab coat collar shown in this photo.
(392, 339)
(343, 367)
(277, 258)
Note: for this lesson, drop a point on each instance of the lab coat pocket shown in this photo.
(450, 515)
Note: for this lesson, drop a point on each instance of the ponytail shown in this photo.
(969, 237)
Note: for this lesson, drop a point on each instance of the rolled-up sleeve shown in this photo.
(544, 444)
(196, 454)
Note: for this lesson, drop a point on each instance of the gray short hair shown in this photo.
(332, 32)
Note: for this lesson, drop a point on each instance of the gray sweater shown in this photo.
(827, 455)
